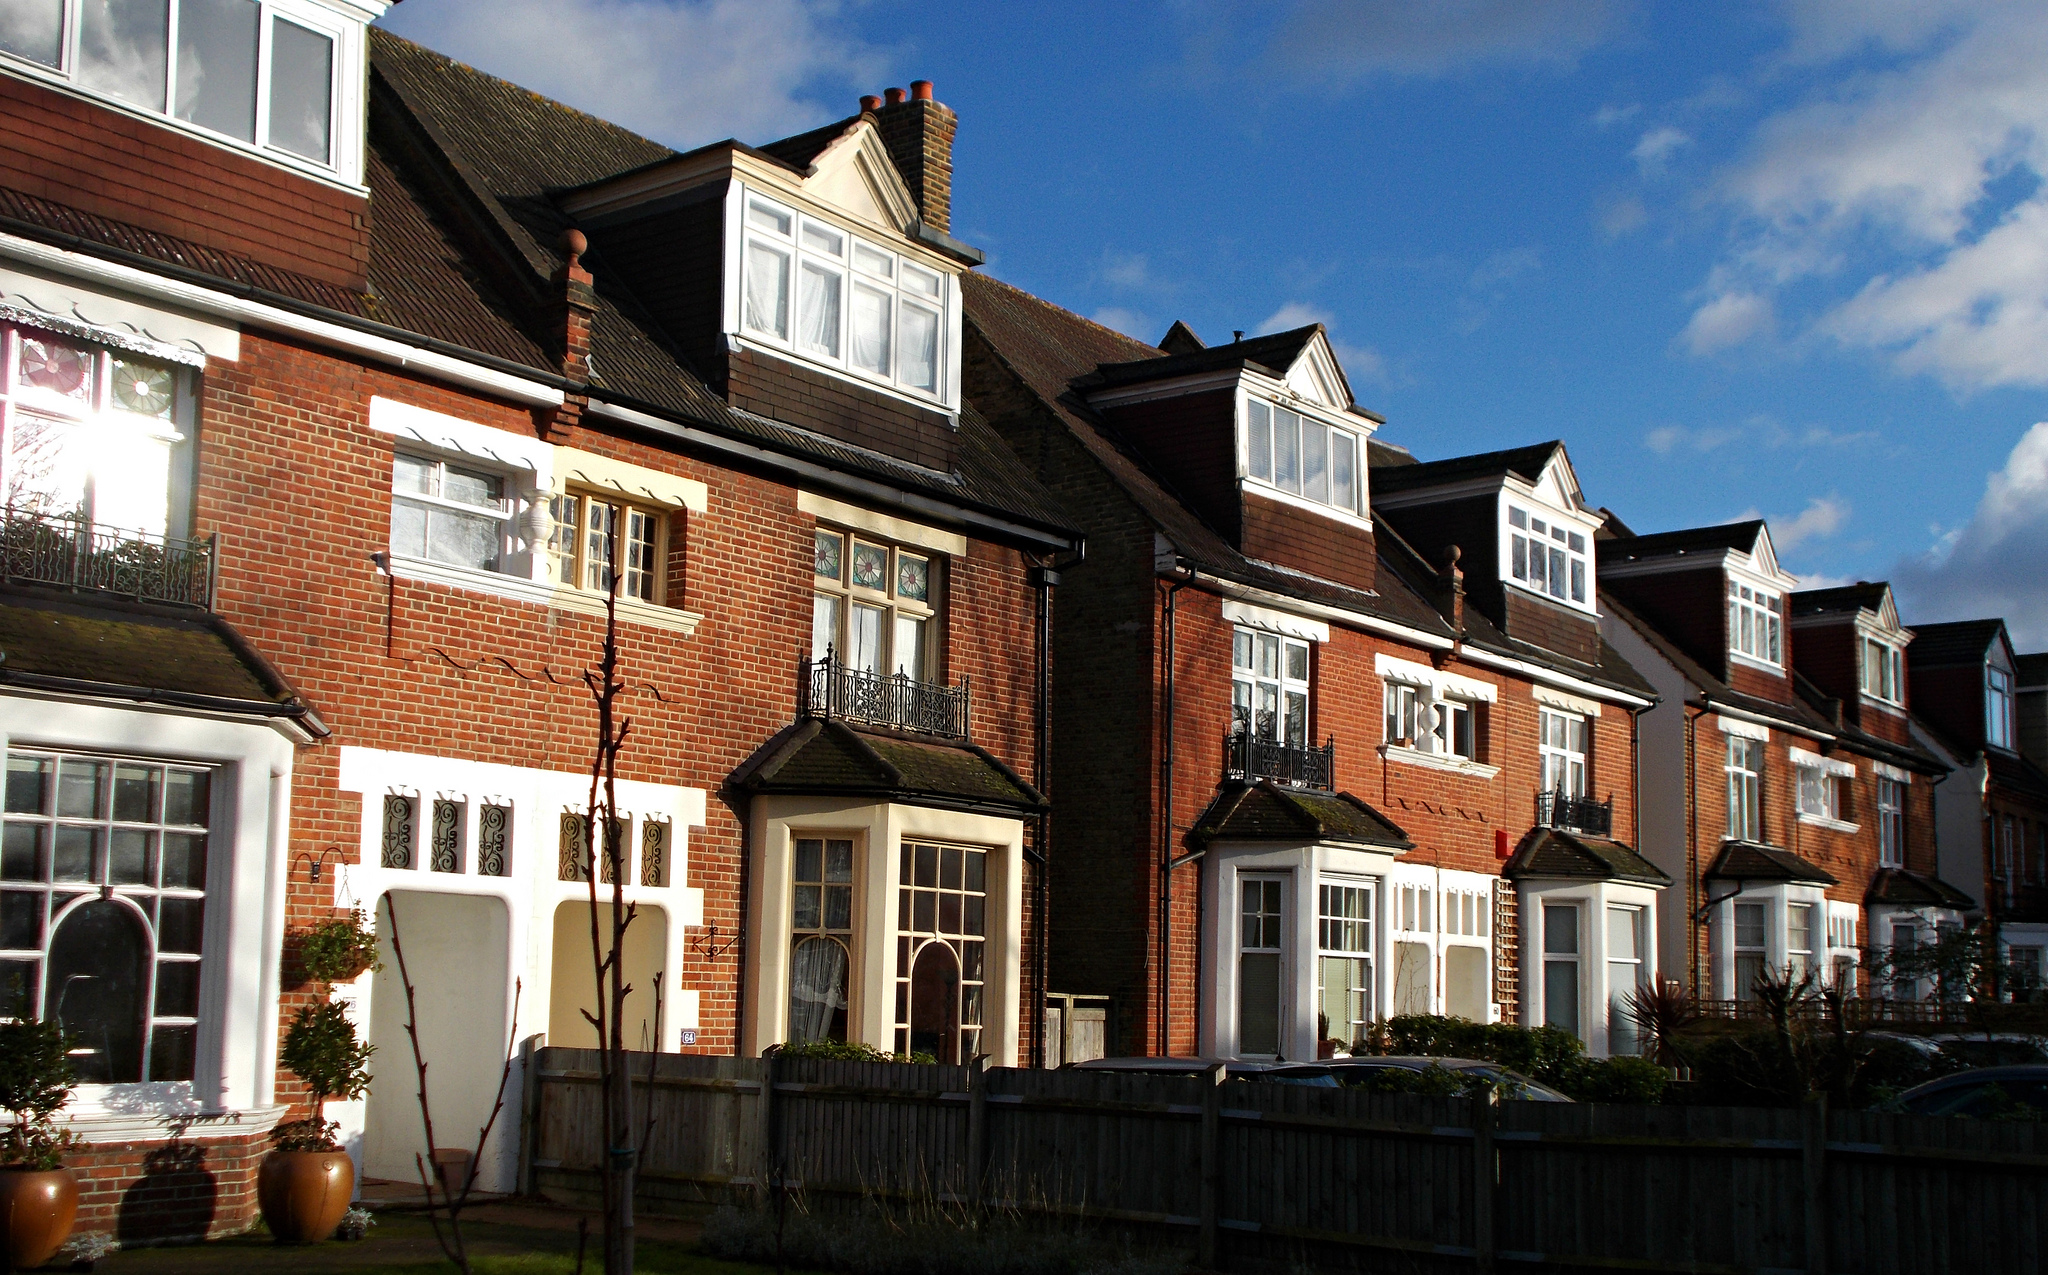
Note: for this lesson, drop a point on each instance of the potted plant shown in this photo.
(38, 1195)
(305, 1184)
(338, 951)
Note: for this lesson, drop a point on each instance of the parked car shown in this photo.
(1233, 1069)
(1986, 1093)
(1512, 1084)
(1994, 1049)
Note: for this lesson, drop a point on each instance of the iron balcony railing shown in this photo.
(1575, 814)
(1250, 756)
(828, 688)
(69, 552)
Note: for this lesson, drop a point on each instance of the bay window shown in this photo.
(1627, 972)
(840, 301)
(1269, 686)
(1261, 944)
(455, 513)
(1799, 935)
(1344, 985)
(92, 433)
(1755, 628)
(1752, 947)
(262, 73)
(874, 606)
(1304, 457)
(1883, 676)
(1561, 967)
(942, 937)
(103, 872)
(1548, 558)
(821, 938)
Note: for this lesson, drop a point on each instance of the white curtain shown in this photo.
(920, 348)
(767, 295)
(871, 330)
(818, 310)
(817, 990)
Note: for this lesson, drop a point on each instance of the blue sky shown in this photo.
(1786, 257)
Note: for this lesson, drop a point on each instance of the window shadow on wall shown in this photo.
(174, 1197)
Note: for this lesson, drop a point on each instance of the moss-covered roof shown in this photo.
(90, 645)
(1266, 811)
(1556, 854)
(829, 758)
(1748, 861)
(1898, 887)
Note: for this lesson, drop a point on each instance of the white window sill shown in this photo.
(1761, 665)
(1586, 609)
(1437, 761)
(541, 593)
(1831, 824)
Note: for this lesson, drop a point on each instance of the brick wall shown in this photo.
(184, 1189)
(110, 164)
(298, 489)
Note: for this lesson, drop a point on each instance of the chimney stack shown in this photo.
(919, 134)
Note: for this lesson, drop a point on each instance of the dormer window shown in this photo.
(1546, 557)
(1755, 623)
(828, 297)
(1883, 671)
(1303, 456)
(1998, 707)
(261, 73)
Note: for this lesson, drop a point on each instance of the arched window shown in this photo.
(98, 987)
(942, 920)
(935, 1003)
(818, 971)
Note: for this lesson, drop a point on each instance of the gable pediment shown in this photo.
(1558, 484)
(1316, 376)
(855, 176)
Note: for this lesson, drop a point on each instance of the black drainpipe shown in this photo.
(1166, 819)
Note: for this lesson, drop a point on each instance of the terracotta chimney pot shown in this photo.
(893, 96)
(921, 90)
(869, 102)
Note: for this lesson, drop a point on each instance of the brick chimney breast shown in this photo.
(919, 135)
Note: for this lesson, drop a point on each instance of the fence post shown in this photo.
(529, 1110)
(1814, 1161)
(1482, 1181)
(1212, 1164)
(768, 1171)
(977, 1136)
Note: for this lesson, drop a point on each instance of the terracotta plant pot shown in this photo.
(304, 1193)
(37, 1207)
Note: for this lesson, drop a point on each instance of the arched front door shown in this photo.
(935, 1003)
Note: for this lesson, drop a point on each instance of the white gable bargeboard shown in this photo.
(1317, 377)
(855, 175)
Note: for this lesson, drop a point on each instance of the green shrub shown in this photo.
(322, 1049)
(338, 951)
(35, 1081)
(1548, 1054)
(1624, 1078)
(848, 1051)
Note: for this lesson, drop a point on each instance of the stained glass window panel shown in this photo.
(55, 369)
(828, 555)
(913, 577)
(870, 566)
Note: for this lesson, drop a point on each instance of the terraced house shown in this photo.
(341, 386)
(1339, 735)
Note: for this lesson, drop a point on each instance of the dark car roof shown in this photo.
(1980, 1076)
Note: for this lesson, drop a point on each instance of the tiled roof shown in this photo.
(1911, 889)
(1846, 599)
(1525, 462)
(1952, 643)
(1909, 754)
(799, 151)
(1274, 353)
(93, 644)
(1266, 811)
(1748, 861)
(1797, 714)
(1048, 349)
(1556, 854)
(830, 758)
(2017, 774)
(1665, 544)
(2033, 669)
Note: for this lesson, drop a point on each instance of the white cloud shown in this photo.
(1343, 40)
(1127, 321)
(1666, 439)
(1728, 320)
(1994, 565)
(1654, 149)
(1623, 216)
(683, 72)
(1914, 191)
(1822, 518)
(1362, 364)
(1608, 116)
(1126, 269)
(1295, 314)
(1822, 580)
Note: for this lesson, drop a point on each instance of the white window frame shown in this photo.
(1559, 767)
(1843, 953)
(1555, 963)
(1249, 681)
(1891, 822)
(928, 665)
(1330, 926)
(1638, 969)
(1881, 667)
(801, 245)
(1261, 424)
(1998, 706)
(1756, 623)
(1278, 882)
(503, 511)
(1567, 547)
(1423, 706)
(1820, 786)
(344, 162)
(1744, 768)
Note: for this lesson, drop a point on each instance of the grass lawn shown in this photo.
(504, 1239)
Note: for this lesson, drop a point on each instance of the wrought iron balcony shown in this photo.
(828, 688)
(71, 553)
(1575, 814)
(1249, 756)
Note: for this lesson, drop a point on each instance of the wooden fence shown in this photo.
(1259, 1176)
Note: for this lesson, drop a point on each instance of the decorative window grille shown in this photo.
(621, 841)
(574, 862)
(654, 852)
(942, 928)
(401, 831)
(103, 868)
(493, 840)
(445, 844)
